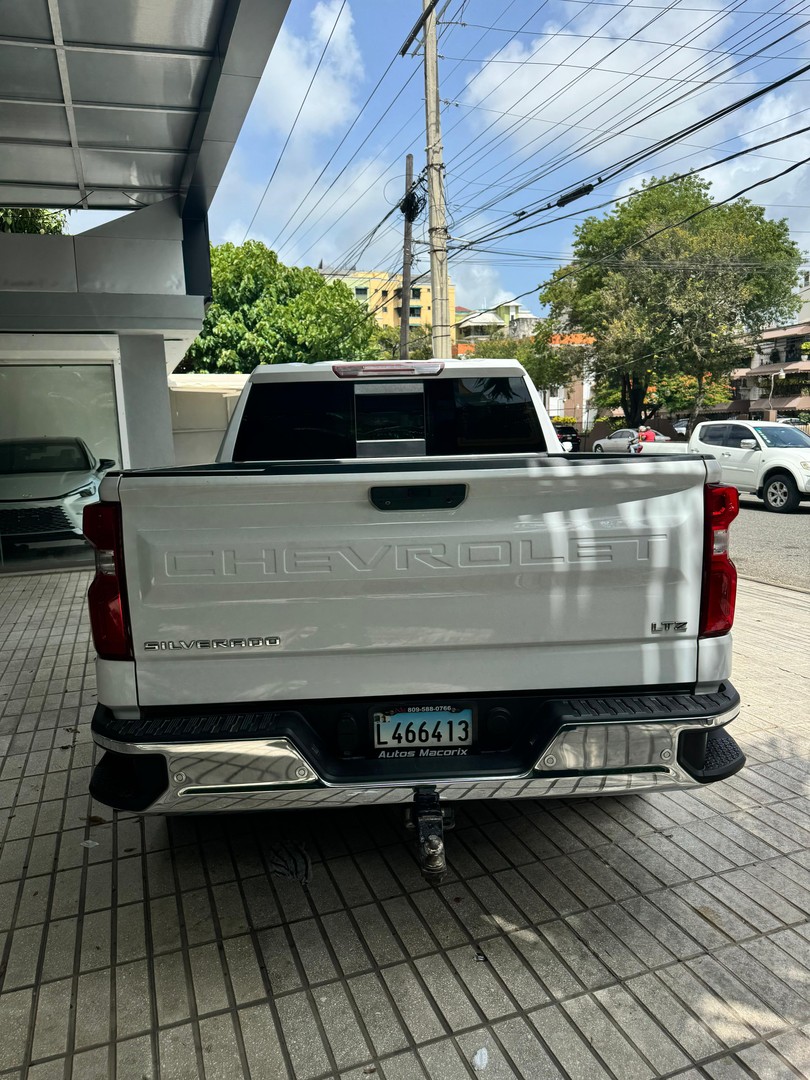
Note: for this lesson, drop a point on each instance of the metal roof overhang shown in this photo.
(116, 104)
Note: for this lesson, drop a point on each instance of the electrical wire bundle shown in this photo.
(754, 40)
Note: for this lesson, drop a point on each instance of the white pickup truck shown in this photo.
(395, 587)
(770, 460)
(766, 459)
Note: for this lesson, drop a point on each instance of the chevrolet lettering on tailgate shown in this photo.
(255, 564)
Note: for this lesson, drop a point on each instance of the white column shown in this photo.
(145, 389)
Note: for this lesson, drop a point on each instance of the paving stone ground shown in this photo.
(646, 936)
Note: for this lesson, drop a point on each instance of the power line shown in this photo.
(341, 194)
(657, 7)
(348, 132)
(362, 143)
(379, 153)
(504, 230)
(368, 165)
(524, 182)
(609, 37)
(719, 115)
(601, 131)
(334, 202)
(503, 12)
(573, 18)
(295, 121)
(646, 239)
(618, 7)
(559, 66)
(583, 145)
(661, 144)
(533, 89)
(529, 177)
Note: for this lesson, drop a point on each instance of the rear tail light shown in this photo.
(377, 369)
(109, 615)
(722, 504)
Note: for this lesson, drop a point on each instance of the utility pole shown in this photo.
(437, 226)
(405, 309)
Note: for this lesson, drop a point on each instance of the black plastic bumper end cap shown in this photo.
(129, 782)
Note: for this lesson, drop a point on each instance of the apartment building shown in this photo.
(382, 293)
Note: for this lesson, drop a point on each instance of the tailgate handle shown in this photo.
(418, 496)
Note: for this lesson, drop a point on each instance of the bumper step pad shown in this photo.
(716, 758)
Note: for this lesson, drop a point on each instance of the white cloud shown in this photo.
(582, 87)
(477, 285)
(330, 103)
(788, 194)
(569, 106)
(359, 199)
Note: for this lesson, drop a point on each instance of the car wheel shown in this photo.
(781, 494)
(598, 449)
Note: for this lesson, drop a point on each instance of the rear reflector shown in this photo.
(109, 616)
(719, 594)
(381, 369)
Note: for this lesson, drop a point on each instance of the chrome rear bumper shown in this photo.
(584, 760)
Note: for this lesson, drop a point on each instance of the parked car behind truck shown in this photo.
(770, 460)
(570, 438)
(45, 484)
(622, 441)
(394, 587)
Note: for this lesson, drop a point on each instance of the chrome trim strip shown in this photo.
(623, 744)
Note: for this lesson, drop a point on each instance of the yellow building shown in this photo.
(382, 294)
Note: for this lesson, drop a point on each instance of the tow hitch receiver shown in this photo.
(430, 819)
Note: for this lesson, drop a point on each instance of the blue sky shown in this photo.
(537, 94)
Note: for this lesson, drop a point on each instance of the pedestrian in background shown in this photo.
(645, 435)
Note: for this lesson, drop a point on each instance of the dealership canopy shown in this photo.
(106, 104)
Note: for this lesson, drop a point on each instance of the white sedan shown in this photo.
(619, 442)
(45, 484)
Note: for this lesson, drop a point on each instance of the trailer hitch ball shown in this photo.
(428, 818)
(434, 851)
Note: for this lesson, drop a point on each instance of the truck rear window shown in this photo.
(309, 421)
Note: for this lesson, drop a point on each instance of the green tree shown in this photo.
(501, 348)
(15, 219)
(677, 392)
(420, 342)
(663, 295)
(264, 312)
(550, 366)
(387, 341)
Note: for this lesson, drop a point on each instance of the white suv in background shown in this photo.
(771, 460)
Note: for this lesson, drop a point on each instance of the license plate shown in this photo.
(422, 727)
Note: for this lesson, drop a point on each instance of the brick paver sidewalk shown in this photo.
(666, 935)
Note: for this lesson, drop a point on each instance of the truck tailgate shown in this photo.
(287, 582)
